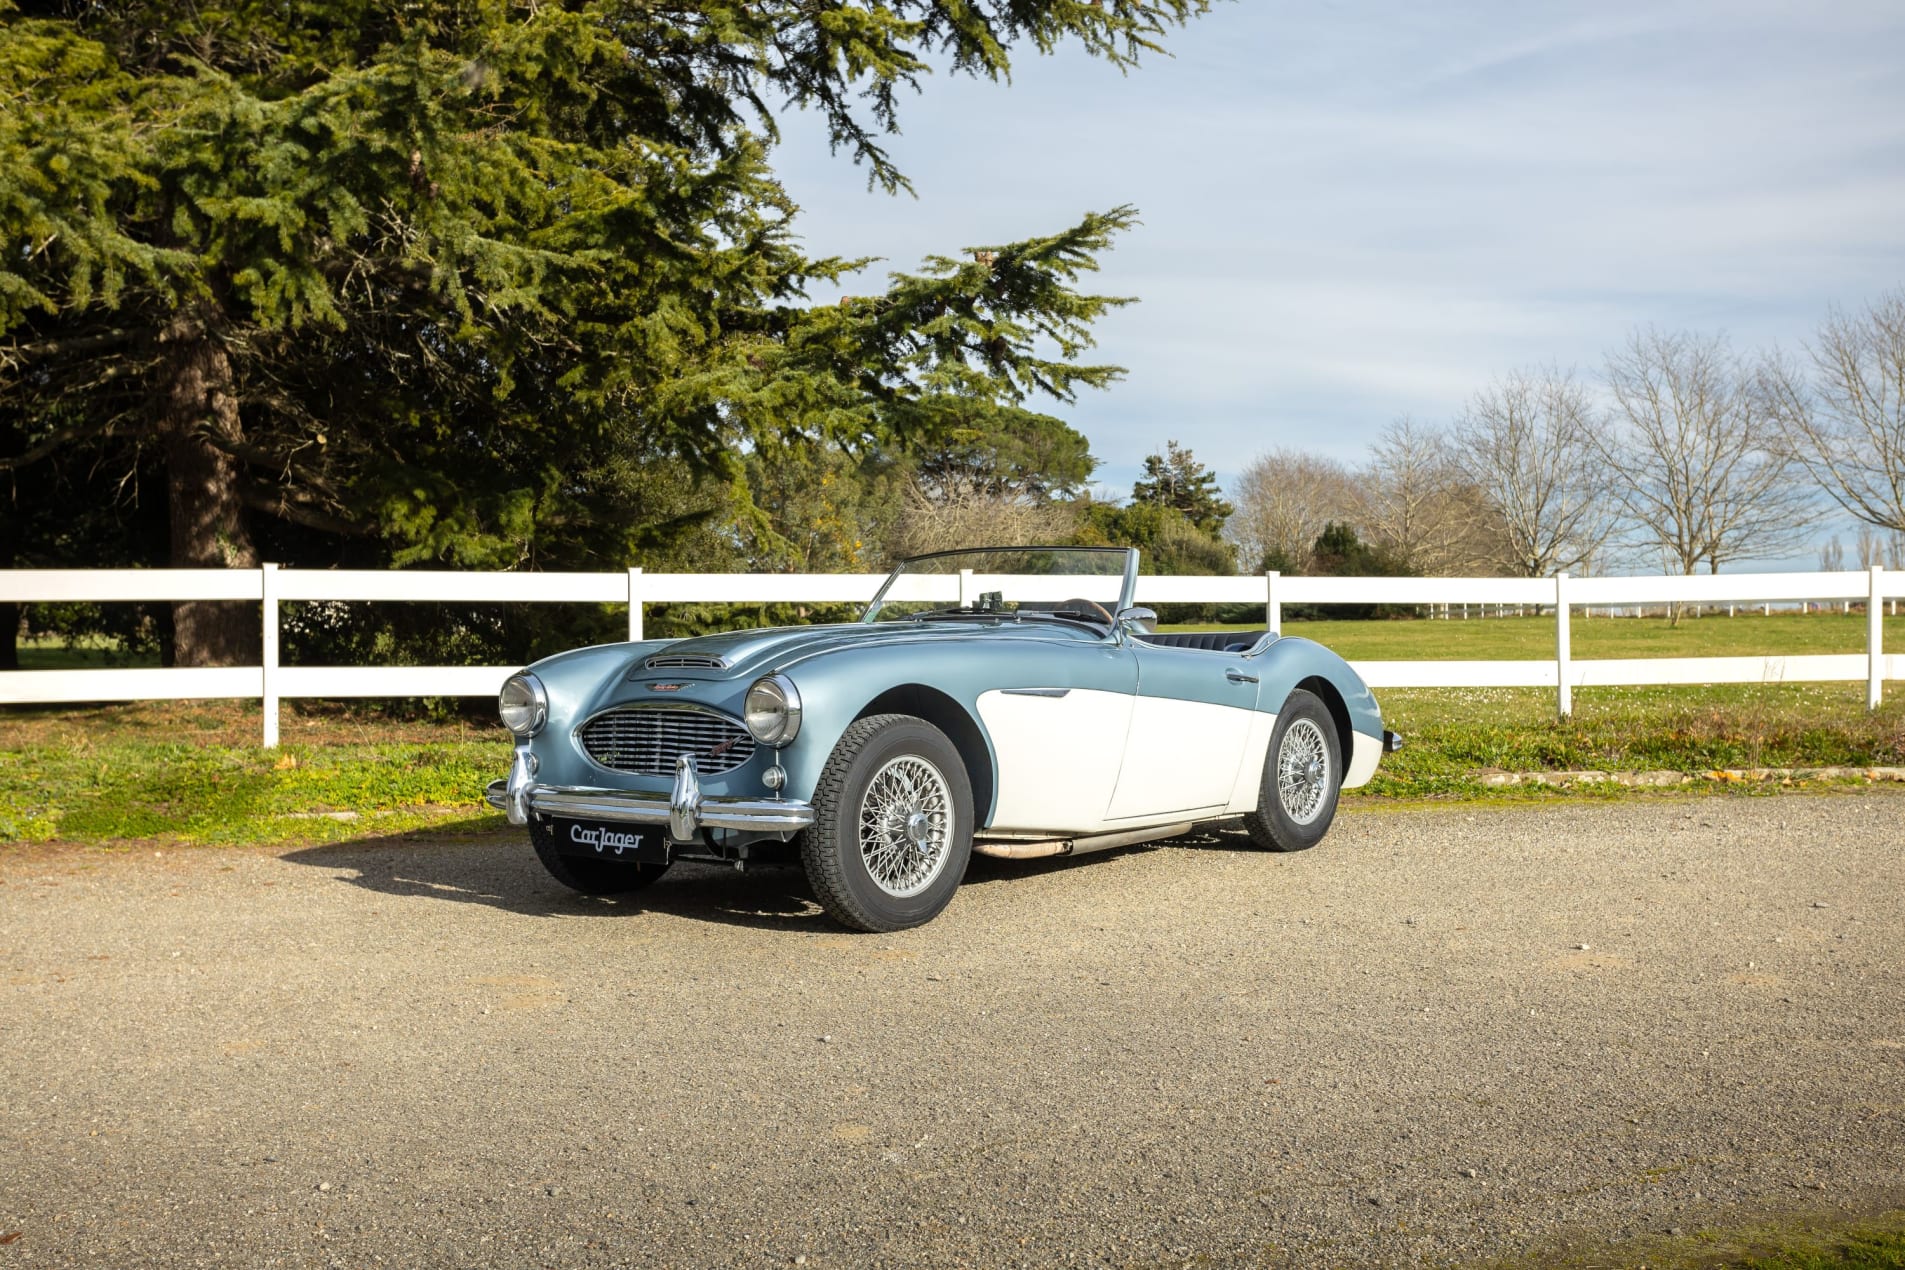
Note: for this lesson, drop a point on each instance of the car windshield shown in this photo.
(1086, 584)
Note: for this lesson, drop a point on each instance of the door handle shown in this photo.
(1239, 677)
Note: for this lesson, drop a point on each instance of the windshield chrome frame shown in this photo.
(1126, 590)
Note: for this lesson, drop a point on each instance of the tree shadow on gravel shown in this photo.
(498, 870)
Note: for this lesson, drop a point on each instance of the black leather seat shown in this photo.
(1209, 641)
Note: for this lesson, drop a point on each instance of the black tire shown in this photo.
(591, 877)
(893, 748)
(1287, 820)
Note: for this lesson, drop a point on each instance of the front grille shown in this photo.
(647, 742)
(699, 661)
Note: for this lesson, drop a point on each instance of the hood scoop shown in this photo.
(685, 661)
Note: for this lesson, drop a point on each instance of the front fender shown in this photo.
(1288, 662)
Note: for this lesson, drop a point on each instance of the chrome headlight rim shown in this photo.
(775, 721)
(531, 711)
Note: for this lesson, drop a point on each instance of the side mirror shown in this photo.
(1137, 621)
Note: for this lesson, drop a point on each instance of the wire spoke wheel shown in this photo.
(905, 826)
(1303, 771)
(892, 830)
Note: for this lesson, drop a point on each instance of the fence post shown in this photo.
(1272, 606)
(965, 588)
(1875, 639)
(634, 605)
(268, 663)
(1564, 691)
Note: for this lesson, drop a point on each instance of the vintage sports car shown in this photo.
(1006, 701)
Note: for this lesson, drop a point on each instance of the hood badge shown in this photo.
(666, 687)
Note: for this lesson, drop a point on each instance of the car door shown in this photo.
(1191, 727)
(1057, 724)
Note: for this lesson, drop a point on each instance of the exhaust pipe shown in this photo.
(1039, 849)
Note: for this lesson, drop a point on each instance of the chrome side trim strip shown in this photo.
(1034, 692)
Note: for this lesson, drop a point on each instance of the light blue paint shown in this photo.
(840, 669)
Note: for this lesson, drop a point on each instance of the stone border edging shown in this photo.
(1661, 779)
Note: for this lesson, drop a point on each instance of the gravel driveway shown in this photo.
(1443, 1035)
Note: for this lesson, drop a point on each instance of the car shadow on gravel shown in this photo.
(495, 870)
(498, 871)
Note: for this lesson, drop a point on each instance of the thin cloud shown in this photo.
(1355, 213)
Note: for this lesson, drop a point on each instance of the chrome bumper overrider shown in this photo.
(684, 809)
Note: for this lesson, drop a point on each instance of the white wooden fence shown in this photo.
(271, 586)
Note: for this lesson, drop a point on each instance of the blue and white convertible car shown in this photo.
(1006, 701)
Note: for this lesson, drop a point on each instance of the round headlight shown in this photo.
(773, 710)
(523, 704)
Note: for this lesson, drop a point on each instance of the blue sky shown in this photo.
(1353, 212)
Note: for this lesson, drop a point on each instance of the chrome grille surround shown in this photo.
(690, 661)
(645, 740)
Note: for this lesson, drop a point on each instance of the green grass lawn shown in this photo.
(1512, 638)
(117, 789)
(192, 771)
(1414, 639)
(88, 654)
(1874, 1244)
(1453, 735)
(1856, 1252)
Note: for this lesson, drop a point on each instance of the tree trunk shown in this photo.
(10, 613)
(208, 524)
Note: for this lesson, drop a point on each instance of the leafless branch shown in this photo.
(1841, 413)
(1527, 442)
(1283, 501)
(1423, 510)
(1699, 466)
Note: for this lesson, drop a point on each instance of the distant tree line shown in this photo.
(1679, 454)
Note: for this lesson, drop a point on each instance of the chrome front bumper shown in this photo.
(684, 809)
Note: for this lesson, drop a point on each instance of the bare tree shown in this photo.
(1842, 410)
(1527, 444)
(1832, 555)
(1871, 547)
(973, 518)
(1283, 501)
(1699, 464)
(1422, 509)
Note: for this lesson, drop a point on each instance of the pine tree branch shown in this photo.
(56, 441)
(75, 344)
(282, 505)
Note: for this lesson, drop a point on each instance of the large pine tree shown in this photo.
(345, 280)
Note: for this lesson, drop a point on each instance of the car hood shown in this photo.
(756, 652)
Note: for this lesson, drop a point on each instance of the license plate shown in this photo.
(640, 844)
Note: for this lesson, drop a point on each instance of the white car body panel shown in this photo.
(1058, 757)
(1365, 753)
(1248, 788)
(1182, 757)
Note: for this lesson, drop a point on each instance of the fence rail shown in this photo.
(270, 586)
